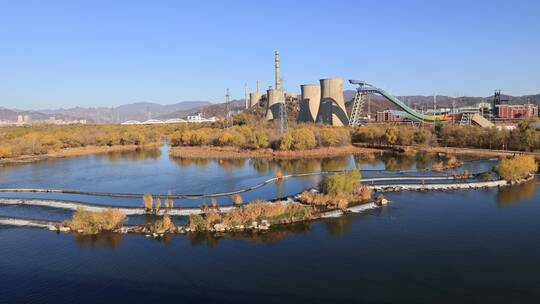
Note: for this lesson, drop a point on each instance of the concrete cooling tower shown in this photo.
(254, 98)
(275, 100)
(310, 100)
(332, 109)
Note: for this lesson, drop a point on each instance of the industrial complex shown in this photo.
(324, 103)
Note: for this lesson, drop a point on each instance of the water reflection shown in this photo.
(272, 236)
(508, 196)
(137, 155)
(339, 226)
(396, 162)
(107, 240)
(188, 162)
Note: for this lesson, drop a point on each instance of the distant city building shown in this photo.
(197, 118)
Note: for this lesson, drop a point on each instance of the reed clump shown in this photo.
(94, 222)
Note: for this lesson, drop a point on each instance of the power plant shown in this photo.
(324, 103)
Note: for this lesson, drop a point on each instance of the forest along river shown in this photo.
(425, 247)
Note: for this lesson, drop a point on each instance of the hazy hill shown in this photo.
(135, 111)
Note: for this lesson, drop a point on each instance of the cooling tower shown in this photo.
(332, 109)
(254, 98)
(275, 100)
(309, 102)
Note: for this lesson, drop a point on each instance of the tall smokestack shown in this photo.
(278, 79)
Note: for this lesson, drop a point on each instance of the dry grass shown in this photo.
(263, 210)
(93, 222)
(204, 221)
(360, 195)
(237, 199)
(148, 202)
(278, 176)
(163, 225)
(255, 211)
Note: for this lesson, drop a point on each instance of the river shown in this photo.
(446, 247)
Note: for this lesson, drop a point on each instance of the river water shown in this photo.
(471, 246)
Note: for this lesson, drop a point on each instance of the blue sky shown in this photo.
(105, 53)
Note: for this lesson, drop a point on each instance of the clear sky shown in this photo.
(106, 53)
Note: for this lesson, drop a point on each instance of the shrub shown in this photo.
(169, 203)
(203, 221)
(422, 136)
(148, 202)
(164, 225)
(278, 175)
(93, 222)
(157, 205)
(333, 137)
(260, 139)
(298, 139)
(344, 183)
(391, 134)
(361, 194)
(237, 199)
(517, 167)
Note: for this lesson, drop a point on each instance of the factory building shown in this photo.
(310, 100)
(516, 111)
(332, 107)
(387, 116)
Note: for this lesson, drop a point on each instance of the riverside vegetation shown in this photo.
(249, 133)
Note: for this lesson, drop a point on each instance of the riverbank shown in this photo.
(447, 150)
(232, 152)
(79, 151)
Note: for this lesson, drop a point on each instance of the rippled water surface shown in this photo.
(475, 246)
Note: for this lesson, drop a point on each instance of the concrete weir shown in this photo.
(69, 205)
(425, 187)
(332, 109)
(310, 101)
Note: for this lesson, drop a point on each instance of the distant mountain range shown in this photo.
(146, 110)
